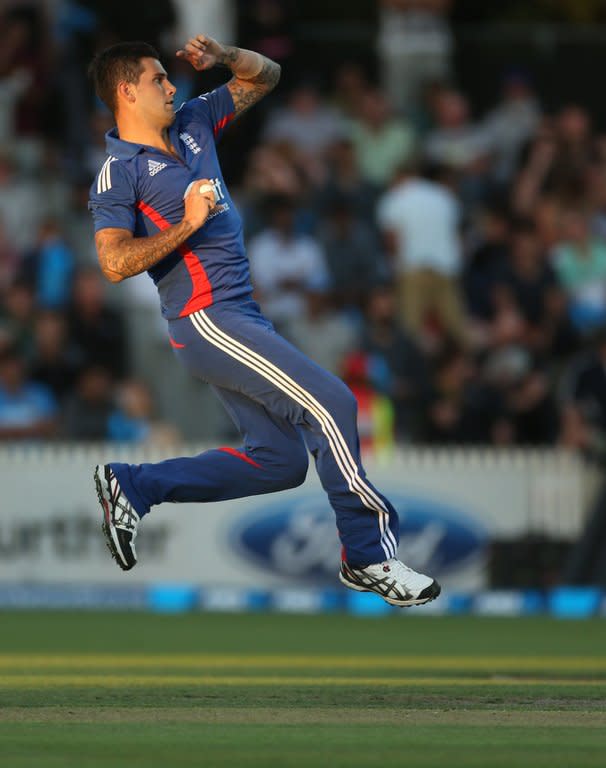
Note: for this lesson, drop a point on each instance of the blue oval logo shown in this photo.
(297, 538)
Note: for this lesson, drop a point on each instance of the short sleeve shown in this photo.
(215, 109)
(112, 200)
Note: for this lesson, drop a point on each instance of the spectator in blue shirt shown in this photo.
(49, 267)
(27, 409)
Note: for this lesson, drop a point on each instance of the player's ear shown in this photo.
(126, 91)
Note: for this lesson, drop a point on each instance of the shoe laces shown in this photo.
(399, 570)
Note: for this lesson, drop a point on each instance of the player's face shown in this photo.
(155, 94)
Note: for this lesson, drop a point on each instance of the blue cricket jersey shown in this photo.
(141, 188)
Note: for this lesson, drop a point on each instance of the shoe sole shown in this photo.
(109, 530)
(434, 588)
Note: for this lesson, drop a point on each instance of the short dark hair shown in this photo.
(116, 63)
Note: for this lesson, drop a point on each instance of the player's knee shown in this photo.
(296, 472)
(293, 472)
(344, 404)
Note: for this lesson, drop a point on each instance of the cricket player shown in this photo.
(160, 205)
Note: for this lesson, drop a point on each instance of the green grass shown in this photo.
(113, 690)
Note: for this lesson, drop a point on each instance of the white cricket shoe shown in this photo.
(120, 520)
(395, 582)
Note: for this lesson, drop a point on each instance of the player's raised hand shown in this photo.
(202, 52)
(199, 199)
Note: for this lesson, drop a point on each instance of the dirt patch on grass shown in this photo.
(302, 715)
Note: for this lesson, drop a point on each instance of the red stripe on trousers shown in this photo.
(240, 455)
(175, 344)
(202, 294)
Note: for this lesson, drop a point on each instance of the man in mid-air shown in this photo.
(160, 205)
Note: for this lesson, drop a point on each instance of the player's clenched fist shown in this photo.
(202, 52)
(199, 200)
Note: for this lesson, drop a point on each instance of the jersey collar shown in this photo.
(126, 150)
(123, 150)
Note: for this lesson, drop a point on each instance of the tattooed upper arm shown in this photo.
(245, 93)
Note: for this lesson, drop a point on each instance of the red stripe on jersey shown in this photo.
(201, 294)
(220, 125)
(240, 455)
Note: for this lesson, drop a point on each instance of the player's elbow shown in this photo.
(113, 277)
(109, 272)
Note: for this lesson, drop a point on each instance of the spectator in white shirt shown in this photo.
(285, 265)
(307, 123)
(419, 218)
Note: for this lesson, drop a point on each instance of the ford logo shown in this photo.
(298, 537)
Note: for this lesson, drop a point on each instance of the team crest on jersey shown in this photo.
(190, 143)
(155, 167)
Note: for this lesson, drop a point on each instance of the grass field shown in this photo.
(126, 689)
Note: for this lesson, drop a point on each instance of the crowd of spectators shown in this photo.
(450, 266)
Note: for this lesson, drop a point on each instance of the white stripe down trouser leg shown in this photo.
(337, 443)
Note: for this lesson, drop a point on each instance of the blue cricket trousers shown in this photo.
(280, 401)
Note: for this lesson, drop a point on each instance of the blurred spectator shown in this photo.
(381, 141)
(17, 317)
(580, 262)
(13, 83)
(460, 145)
(27, 409)
(23, 70)
(132, 420)
(365, 376)
(525, 393)
(420, 220)
(344, 180)
(406, 380)
(456, 141)
(323, 333)
(23, 203)
(463, 409)
(486, 263)
(306, 123)
(270, 172)
(350, 86)
(352, 252)
(533, 409)
(88, 408)
(49, 267)
(97, 330)
(9, 259)
(414, 45)
(512, 122)
(77, 28)
(576, 152)
(557, 161)
(534, 288)
(537, 159)
(55, 361)
(285, 265)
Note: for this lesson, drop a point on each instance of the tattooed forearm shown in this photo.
(121, 255)
(229, 56)
(254, 76)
